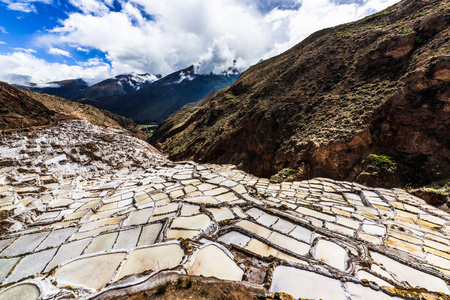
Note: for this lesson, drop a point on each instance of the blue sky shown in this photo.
(47, 40)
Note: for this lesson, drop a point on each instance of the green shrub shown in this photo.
(381, 162)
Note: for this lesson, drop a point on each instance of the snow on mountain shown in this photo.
(136, 81)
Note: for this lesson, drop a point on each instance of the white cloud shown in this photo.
(23, 68)
(2, 43)
(56, 51)
(25, 50)
(3, 30)
(90, 6)
(25, 6)
(81, 49)
(157, 36)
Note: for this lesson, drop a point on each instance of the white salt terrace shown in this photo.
(96, 210)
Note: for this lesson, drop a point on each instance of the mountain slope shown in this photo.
(157, 101)
(376, 86)
(17, 110)
(23, 109)
(119, 85)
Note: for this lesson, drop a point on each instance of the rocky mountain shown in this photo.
(64, 88)
(119, 85)
(156, 102)
(367, 101)
(24, 109)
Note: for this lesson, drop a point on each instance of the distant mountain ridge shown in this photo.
(75, 89)
(145, 98)
(119, 85)
(157, 101)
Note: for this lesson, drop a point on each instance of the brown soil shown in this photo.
(217, 290)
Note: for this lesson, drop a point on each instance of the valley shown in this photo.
(322, 172)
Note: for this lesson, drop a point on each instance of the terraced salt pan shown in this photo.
(283, 226)
(411, 227)
(182, 233)
(332, 254)
(67, 252)
(93, 272)
(202, 200)
(149, 234)
(211, 261)
(24, 244)
(200, 222)
(255, 228)
(236, 238)
(138, 217)
(374, 229)
(412, 276)
(127, 239)
(92, 233)
(152, 258)
(266, 219)
(5, 243)
(368, 276)
(189, 210)
(289, 243)
(6, 264)
(20, 292)
(228, 197)
(260, 248)
(102, 243)
(165, 209)
(359, 292)
(99, 223)
(302, 234)
(56, 238)
(30, 265)
(304, 284)
(221, 214)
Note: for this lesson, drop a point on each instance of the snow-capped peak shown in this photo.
(137, 81)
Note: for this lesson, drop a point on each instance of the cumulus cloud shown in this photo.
(25, 68)
(25, 6)
(157, 36)
(56, 51)
(91, 6)
(81, 49)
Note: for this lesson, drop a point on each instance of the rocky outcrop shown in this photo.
(377, 86)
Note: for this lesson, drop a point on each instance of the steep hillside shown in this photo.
(18, 110)
(119, 85)
(22, 109)
(378, 86)
(157, 101)
(69, 109)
